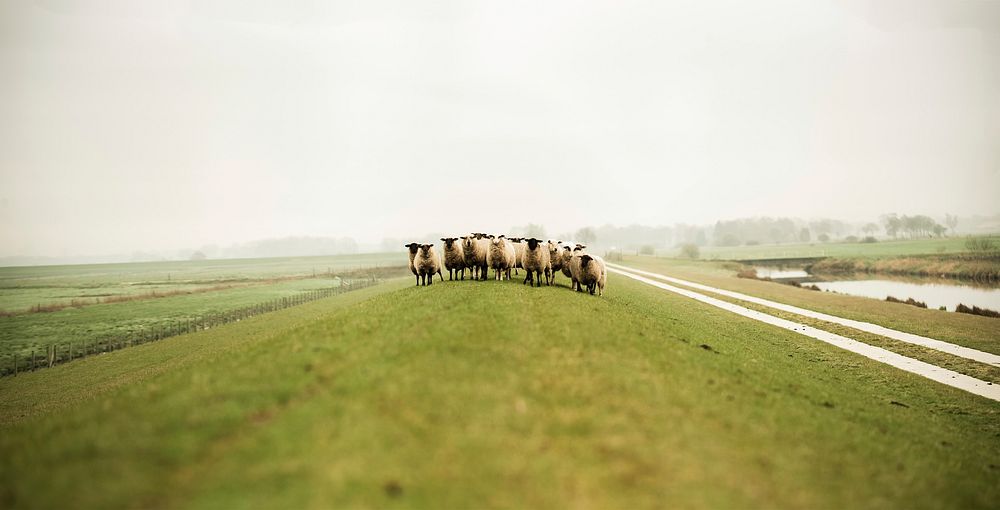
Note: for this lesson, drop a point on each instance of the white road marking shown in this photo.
(932, 372)
(910, 338)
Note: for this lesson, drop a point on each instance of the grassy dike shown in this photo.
(486, 394)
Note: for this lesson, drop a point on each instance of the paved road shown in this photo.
(932, 372)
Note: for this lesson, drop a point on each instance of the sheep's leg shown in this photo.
(418, 279)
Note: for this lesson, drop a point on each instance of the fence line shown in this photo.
(57, 354)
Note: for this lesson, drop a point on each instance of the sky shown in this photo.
(168, 124)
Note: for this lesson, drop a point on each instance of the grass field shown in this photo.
(947, 245)
(24, 287)
(219, 286)
(486, 394)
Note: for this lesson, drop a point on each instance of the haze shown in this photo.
(153, 125)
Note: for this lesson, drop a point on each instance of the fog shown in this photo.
(151, 125)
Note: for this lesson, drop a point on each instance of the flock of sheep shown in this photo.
(481, 252)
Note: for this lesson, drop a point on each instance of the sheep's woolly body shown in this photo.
(574, 266)
(555, 257)
(564, 258)
(519, 247)
(454, 257)
(500, 257)
(475, 255)
(428, 263)
(593, 273)
(536, 260)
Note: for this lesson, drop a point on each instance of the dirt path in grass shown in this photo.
(932, 372)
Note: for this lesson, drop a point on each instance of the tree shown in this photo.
(939, 230)
(952, 221)
(892, 224)
(870, 229)
(823, 238)
(804, 235)
(198, 256)
(689, 250)
(586, 236)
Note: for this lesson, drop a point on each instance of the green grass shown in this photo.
(887, 248)
(973, 331)
(252, 282)
(486, 394)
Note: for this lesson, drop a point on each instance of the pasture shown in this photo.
(493, 394)
(81, 305)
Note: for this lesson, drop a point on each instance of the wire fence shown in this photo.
(59, 353)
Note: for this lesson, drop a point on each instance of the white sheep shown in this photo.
(574, 266)
(593, 273)
(555, 258)
(454, 258)
(565, 257)
(428, 263)
(519, 246)
(535, 261)
(500, 256)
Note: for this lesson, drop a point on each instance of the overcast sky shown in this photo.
(152, 125)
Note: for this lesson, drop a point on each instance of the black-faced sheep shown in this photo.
(593, 273)
(535, 260)
(413, 248)
(454, 258)
(427, 263)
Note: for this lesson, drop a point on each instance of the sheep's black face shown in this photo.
(533, 243)
(584, 260)
(413, 247)
(425, 248)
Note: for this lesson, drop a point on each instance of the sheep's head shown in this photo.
(449, 240)
(468, 243)
(533, 243)
(425, 249)
(413, 247)
(497, 241)
(585, 260)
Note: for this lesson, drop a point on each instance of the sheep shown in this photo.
(593, 273)
(519, 246)
(482, 251)
(555, 258)
(574, 266)
(535, 260)
(427, 263)
(500, 256)
(454, 258)
(469, 246)
(565, 257)
(413, 247)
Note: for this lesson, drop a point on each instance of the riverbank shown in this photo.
(965, 266)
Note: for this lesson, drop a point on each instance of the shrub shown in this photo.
(823, 238)
(869, 239)
(851, 239)
(690, 250)
(647, 249)
(975, 310)
(752, 243)
(909, 301)
(979, 244)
